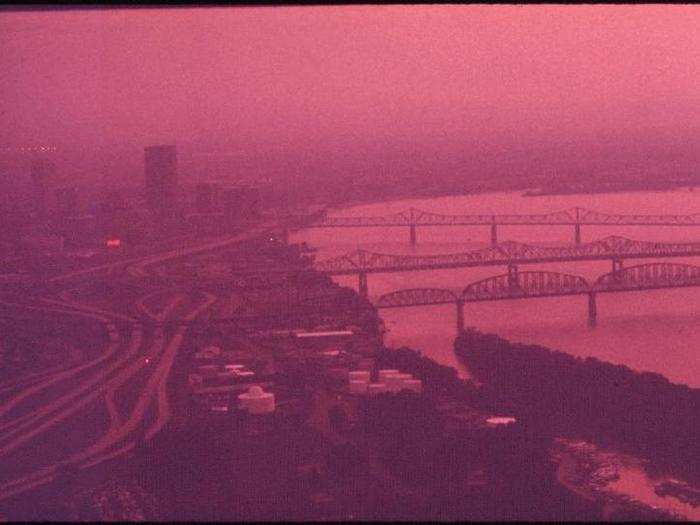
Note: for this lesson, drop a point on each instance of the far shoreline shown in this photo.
(526, 191)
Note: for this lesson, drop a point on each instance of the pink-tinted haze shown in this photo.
(352, 87)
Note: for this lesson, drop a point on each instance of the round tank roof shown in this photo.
(255, 391)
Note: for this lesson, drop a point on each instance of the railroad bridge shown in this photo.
(526, 285)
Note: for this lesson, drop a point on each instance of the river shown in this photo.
(655, 331)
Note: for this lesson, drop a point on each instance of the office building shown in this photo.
(67, 201)
(206, 195)
(160, 166)
(242, 203)
(42, 171)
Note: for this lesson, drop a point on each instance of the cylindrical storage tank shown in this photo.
(358, 375)
(386, 372)
(256, 401)
(414, 385)
(404, 378)
(358, 387)
(393, 382)
(263, 404)
(243, 401)
(376, 388)
(494, 421)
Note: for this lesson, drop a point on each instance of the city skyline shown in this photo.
(355, 88)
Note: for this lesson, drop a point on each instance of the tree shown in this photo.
(345, 460)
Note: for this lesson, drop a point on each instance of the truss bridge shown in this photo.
(510, 254)
(575, 217)
(525, 285)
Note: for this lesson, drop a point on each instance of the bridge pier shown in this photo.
(616, 265)
(413, 234)
(512, 276)
(577, 233)
(494, 235)
(592, 310)
(362, 287)
(460, 316)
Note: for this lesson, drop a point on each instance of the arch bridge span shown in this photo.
(530, 285)
(649, 276)
(521, 285)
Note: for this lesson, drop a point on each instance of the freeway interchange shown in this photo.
(82, 414)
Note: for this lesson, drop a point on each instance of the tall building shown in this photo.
(206, 195)
(160, 165)
(242, 203)
(42, 171)
(67, 201)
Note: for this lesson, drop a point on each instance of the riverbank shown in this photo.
(595, 188)
(530, 189)
(590, 400)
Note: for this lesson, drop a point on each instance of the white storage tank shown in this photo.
(394, 382)
(404, 378)
(359, 375)
(386, 372)
(495, 421)
(358, 387)
(256, 401)
(376, 388)
(414, 385)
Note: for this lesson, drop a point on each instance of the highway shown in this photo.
(84, 414)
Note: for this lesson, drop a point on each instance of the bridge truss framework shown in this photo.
(524, 285)
(576, 217)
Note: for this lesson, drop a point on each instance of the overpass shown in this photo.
(576, 217)
(525, 285)
(509, 253)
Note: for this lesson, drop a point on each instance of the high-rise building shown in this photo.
(160, 165)
(242, 203)
(42, 172)
(206, 194)
(67, 201)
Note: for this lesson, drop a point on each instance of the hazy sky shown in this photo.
(349, 84)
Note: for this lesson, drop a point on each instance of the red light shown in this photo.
(113, 243)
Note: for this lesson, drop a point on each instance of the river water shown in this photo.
(656, 331)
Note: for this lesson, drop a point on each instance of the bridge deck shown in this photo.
(525, 285)
(569, 217)
(507, 253)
